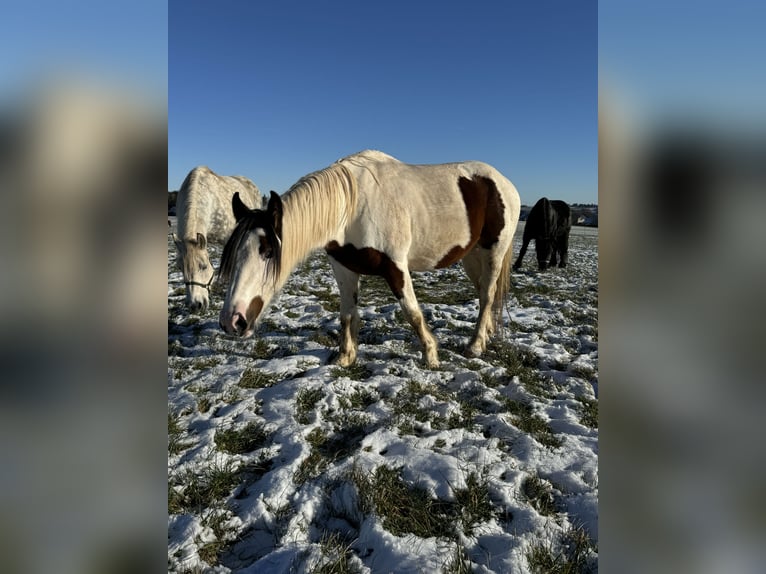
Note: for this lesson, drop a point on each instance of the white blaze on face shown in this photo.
(250, 289)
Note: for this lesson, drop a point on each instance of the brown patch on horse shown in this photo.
(485, 216)
(368, 261)
(253, 310)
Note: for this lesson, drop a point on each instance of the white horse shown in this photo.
(375, 215)
(203, 211)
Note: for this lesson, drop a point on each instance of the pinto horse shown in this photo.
(548, 223)
(375, 215)
(204, 215)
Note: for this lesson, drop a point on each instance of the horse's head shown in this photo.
(194, 262)
(251, 264)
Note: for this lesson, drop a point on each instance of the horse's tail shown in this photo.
(502, 287)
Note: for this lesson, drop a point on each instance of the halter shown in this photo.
(198, 284)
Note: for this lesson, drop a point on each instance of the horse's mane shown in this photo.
(189, 207)
(314, 208)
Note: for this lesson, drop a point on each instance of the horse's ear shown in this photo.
(274, 209)
(238, 207)
(201, 240)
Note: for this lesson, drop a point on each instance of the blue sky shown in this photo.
(120, 42)
(689, 60)
(275, 90)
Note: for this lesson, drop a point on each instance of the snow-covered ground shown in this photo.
(279, 461)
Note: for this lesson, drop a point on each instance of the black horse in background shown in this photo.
(548, 223)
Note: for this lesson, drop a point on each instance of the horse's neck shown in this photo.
(190, 219)
(309, 223)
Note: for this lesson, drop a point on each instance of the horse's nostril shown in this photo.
(240, 324)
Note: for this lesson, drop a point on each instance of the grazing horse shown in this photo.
(548, 223)
(203, 210)
(375, 215)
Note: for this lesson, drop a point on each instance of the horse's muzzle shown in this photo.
(240, 324)
(234, 325)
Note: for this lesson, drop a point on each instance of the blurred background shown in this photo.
(682, 182)
(682, 174)
(83, 166)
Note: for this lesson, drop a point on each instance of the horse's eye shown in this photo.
(267, 252)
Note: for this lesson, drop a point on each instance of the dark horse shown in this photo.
(548, 223)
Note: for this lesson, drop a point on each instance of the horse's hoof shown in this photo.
(472, 353)
(345, 360)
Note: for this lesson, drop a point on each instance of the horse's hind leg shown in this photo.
(491, 263)
(472, 265)
(554, 252)
(348, 285)
(401, 285)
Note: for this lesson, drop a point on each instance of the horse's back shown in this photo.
(417, 210)
(204, 203)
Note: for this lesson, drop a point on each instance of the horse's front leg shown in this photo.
(524, 245)
(564, 250)
(348, 285)
(400, 283)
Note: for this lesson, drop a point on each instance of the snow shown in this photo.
(456, 423)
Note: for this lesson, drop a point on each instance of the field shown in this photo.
(279, 461)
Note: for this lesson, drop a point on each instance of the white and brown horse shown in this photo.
(203, 210)
(375, 215)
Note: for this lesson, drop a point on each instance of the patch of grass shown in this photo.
(588, 412)
(323, 339)
(176, 349)
(201, 363)
(261, 349)
(348, 433)
(241, 441)
(492, 381)
(584, 371)
(535, 426)
(311, 467)
(458, 562)
(525, 419)
(404, 508)
(305, 402)
(254, 379)
(521, 363)
(216, 520)
(355, 372)
(360, 399)
(176, 444)
(204, 404)
(473, 503)
(336, 556)
(327, 448)
(199, 490)
(574, 557)
(231, 396)
(328, 299)
(538, 493)
(529, 292)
